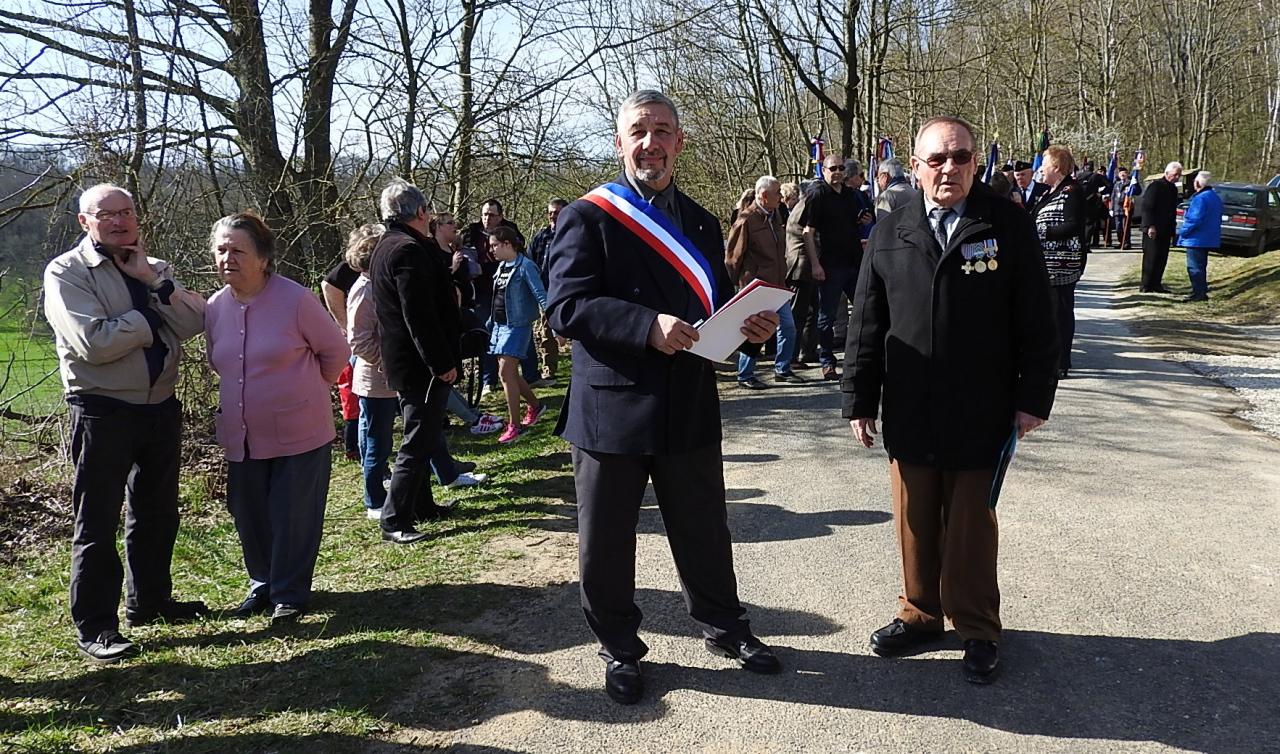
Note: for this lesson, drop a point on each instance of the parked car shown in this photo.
(1250, 217)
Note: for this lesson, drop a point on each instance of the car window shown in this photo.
(1239, 197)
(1275, 198)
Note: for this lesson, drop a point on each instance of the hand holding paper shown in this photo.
(745, 315)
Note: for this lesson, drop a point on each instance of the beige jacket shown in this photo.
(367, 379)
(100, 336)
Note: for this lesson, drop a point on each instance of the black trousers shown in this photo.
(690, 492)
(1065, 296)
(409, 499)
(804, 309)
(1155, 255)
(122, 454)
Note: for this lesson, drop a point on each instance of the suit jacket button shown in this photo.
(635, 292)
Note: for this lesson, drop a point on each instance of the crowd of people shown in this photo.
(623, 273)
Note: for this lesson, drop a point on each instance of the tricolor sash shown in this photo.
(656, 230)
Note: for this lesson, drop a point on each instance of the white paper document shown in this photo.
(721, 333)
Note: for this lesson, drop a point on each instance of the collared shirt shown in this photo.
(664, 200)
(950, 222)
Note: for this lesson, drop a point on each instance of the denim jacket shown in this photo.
(524, 293)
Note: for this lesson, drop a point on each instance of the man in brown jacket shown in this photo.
(758, 249)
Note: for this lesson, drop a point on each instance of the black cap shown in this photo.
(1019, 166)
(1006, 166)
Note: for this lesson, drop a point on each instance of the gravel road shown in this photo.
(1139, 571)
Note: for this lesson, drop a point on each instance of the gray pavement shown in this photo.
(1139, 567)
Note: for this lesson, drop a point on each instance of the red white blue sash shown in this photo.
(656, 230)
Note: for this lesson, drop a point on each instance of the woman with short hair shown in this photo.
(276, 351)
(1060, 222)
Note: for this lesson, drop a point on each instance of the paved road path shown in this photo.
(1139, 567)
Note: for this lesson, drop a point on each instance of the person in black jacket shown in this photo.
(639, 407)
(1061, 222)
(952, 340)
(418, 320)
(1159, 220)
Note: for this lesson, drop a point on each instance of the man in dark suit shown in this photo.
(421, 353)
(1159, 220)
(1028, 187)
(639, 408)
(953, 341)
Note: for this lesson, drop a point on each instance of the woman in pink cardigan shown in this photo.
(276, 351)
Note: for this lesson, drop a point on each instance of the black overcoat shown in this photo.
(1160, 206)
(948, 357)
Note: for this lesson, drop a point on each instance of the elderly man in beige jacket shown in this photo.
(119, 318)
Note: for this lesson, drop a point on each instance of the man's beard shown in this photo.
(650, 174)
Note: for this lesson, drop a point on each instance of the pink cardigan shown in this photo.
(276, 358)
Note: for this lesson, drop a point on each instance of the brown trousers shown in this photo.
(948, 540)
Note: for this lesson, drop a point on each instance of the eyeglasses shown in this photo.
(959, 157)
(836, 168)
(104, 215)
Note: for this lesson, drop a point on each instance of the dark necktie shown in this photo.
(938, 216)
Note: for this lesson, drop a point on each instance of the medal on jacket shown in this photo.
(992, 248)
(973, 254)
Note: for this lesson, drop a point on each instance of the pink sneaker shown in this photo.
(531, 416)
(509, 435)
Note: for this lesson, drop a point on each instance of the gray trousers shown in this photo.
(278, 506)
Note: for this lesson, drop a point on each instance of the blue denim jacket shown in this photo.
(524, 293)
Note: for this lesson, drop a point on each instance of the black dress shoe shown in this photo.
(403, 537)
(1062, 373)
(752, 383)
(169, 611)
(287, 613)
(981, 660)
(623, 682)
(252, 605)
(750, 652)
(465, 467)
(898, 638)
(1161, 289)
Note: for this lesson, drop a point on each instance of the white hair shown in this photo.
(1175, 165)
(766, 182)
(401, 201)
(96, 193)
(1204, 178)
(891, 167)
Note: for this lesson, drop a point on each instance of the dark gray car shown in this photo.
(1250, 217)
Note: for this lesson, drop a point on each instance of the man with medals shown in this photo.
(629, 272)
(959, 255)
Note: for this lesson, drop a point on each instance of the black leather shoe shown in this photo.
(169, 611)
(403, 537)
(981, 660)
(1161, 289)
(750, 652)
(108, 647)
(1063, 373)
(788, 377)
(465, 467)
(752, 384)
(623, 682)
(254, 604)
(898, 638)
(287, 613)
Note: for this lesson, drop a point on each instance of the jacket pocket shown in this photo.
(599, 375)
(293, 423)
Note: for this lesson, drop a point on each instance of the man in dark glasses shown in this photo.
(833, 243)
(953, 340)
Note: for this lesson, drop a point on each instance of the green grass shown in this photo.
(1242, 291)
(335, 681)
(29, 382)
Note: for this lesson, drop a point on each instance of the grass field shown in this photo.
(29, 381)
(331, 683)
(1242, 290)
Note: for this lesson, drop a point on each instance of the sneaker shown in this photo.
(830, 374)
(373, 514)
(531, 415)
(509, 436)
(286, 613)
(252, 605)
(802, 364)
(169, 611)
(788, 377)
(487, 388)
(467, 480)
(108, 647)
(485, 424)
(751, 383)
